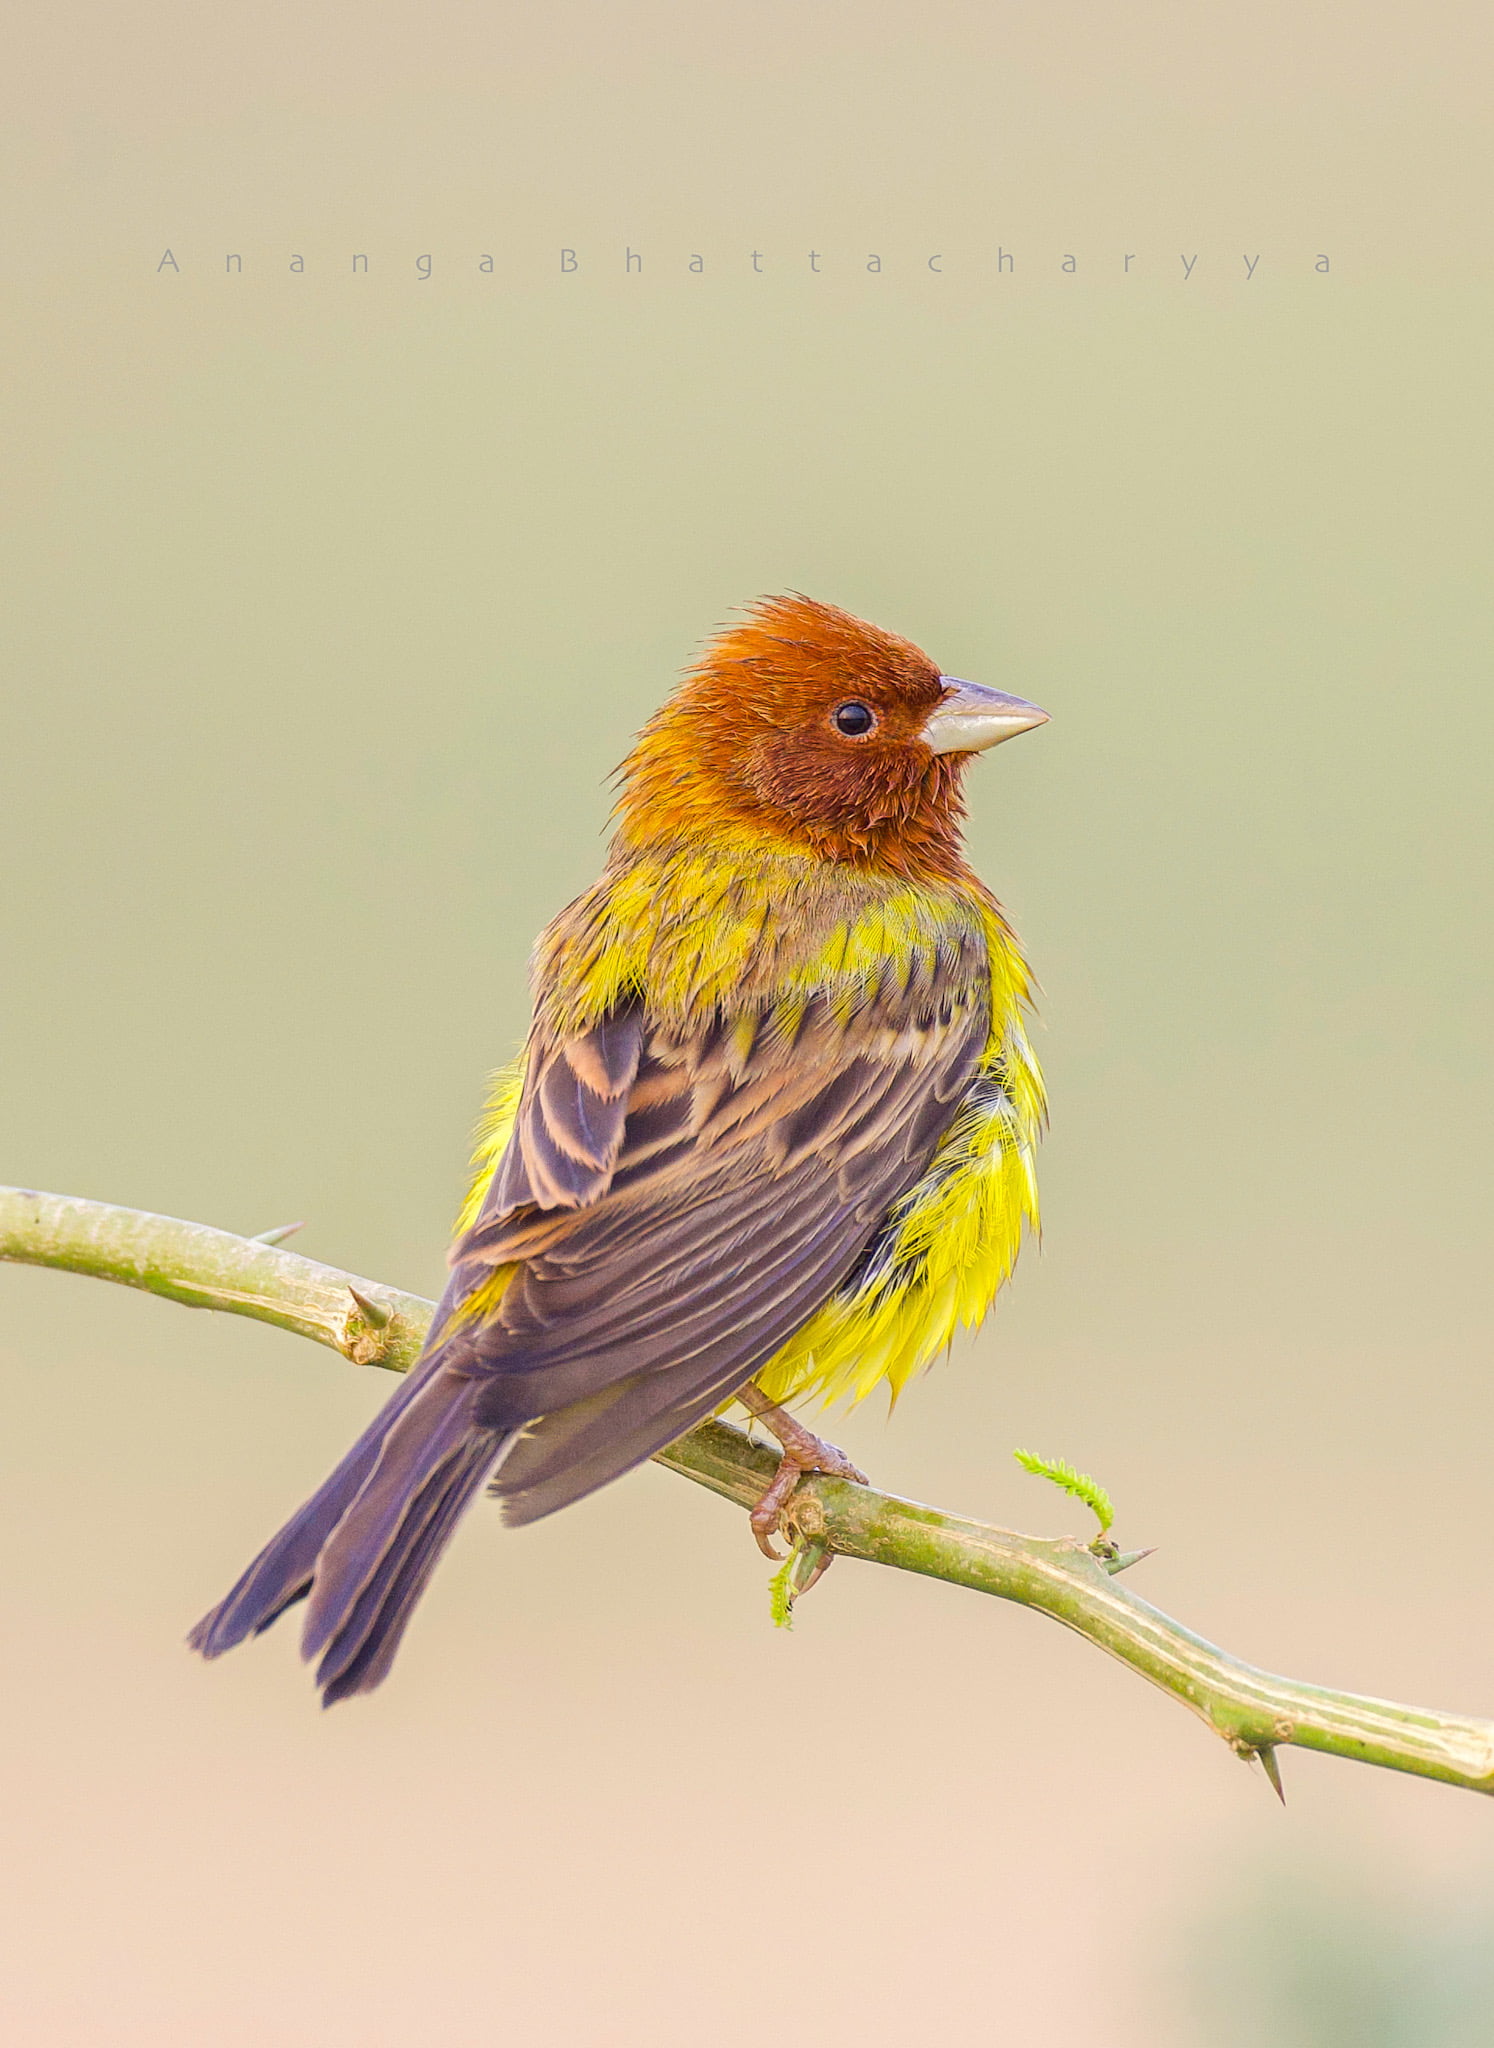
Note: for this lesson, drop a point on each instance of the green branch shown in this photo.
(1059, 1576)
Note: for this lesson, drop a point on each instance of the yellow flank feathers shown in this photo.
(952, 1241)
(492, 1135)
(951, 1244)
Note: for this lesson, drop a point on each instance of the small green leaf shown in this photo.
(799, 1570)
(781, 1593)
(1079, 1484)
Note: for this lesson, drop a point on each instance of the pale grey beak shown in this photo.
(972, 718)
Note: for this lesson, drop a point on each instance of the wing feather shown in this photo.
(675, 1203)
(570, 1124)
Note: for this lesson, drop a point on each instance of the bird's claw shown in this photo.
(803, 1452)
(763, 1522)
(766, 1518)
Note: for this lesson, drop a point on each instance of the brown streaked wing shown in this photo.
(748, 1173)
(569, 1126)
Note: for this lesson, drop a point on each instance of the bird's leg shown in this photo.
(802, 1451)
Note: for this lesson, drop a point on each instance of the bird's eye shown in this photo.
(853, 719)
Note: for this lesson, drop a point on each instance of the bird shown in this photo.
(771, 1136)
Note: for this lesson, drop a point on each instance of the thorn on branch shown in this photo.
(368, 1345)
(1272, 1769)
(372, 1311)
(1263, 1753)
(1120, 1560)
(279, 1234)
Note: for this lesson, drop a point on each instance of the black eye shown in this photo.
(853, 719)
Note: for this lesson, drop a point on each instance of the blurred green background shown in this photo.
(331, 602)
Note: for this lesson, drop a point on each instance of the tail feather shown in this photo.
(282, 1573)
(360, 1655)
(431, 1463)
(365, 1544)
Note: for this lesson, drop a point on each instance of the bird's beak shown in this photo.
(972, 718)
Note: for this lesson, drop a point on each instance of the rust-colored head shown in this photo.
(808, 727)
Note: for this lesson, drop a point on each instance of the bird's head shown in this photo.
(806, 727)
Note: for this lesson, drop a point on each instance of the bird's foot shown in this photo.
(803, 1452)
